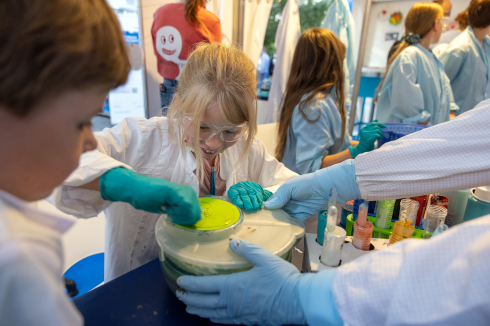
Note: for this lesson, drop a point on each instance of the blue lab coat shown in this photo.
(467, 64)
(416, 89)
(308, 143)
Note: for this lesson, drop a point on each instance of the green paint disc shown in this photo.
(216, 215)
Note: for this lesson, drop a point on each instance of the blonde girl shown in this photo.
(141, 165)
(415, 88)
(312, 127)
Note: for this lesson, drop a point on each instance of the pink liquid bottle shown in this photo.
(363, 229)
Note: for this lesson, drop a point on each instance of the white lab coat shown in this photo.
(146, 147)
(32, 290)
(339, 20)
(441, 281)
(287, 35)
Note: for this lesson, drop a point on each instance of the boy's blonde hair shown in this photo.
(53, 46)
(215, 74)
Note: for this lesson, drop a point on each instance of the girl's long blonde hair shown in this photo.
(420, 20)
(317, 68)
(214, 74)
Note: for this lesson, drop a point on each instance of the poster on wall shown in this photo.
(128, 100)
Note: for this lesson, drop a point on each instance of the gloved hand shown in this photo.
(305, 195)
(249, 195)
(265, 295)
(150, 194)
(367, 137)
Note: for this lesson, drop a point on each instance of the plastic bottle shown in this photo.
(363, 229)
(384, 215)
(357, 205)
(422, 200)
(404, 228)
(457, 206)
(327, 219)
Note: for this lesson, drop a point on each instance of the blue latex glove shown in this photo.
(265, 295)
(273, 292)
(150, 194)
(305, 195)
(367, 137)
(249, 195)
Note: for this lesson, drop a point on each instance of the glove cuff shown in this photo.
(316, 298)
(342, 176)
(354, 151)
(113, 182)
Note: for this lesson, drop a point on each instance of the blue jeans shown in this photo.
(167, 91)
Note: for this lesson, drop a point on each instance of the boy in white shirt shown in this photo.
(59, 60)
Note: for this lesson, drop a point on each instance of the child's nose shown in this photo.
(214, 141)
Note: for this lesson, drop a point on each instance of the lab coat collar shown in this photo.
(53, 221)
(486, 42)
(427, 52)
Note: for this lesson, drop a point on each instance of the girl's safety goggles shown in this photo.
(226, 133)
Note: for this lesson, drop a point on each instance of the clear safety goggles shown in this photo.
(226, 133)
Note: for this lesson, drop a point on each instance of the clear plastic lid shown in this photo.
(273, 230)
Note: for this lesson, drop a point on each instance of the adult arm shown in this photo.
(449, 156)
(442, 279)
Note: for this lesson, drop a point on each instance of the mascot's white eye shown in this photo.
(171, 38)
(164, 40)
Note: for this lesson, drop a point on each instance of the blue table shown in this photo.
(140, 297)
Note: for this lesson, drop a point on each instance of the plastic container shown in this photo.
(478, 203)
(189, 252)
(394, 131)
(436, 215)
(422, 200)
(357, 204)
(405, 227)
(457, 206)
(384, 216)
(418, 233)
(332, 247)
(346, 211)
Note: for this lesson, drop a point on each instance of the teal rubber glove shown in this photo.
(249, 195)
(306, 194)
(273, 292)
(150, 194)
(367, 137)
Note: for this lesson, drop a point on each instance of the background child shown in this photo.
(59, 60)
(467, 59)
(312, 127)
(415, 88)
(211, 122)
